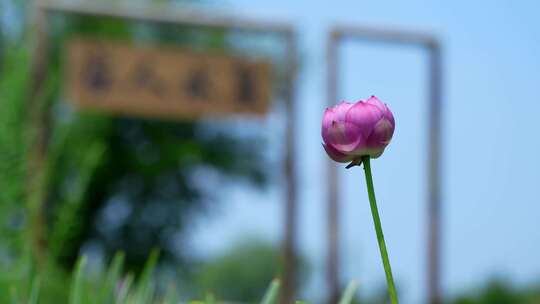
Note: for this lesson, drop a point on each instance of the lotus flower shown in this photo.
(353, 130)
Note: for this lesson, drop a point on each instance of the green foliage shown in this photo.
(242, 273)
(13, 146)
(108, 287)
(84, 287)
(149, 169)
(96, 163)
(500, 292)
(69, 178)
(34, 291)
(145, 287)
(114, 274)
(77, 294)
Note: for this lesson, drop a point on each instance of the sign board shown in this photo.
(164, 82)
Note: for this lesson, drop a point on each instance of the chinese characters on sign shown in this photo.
(163, 81)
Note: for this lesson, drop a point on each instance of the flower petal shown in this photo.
(376, 153)
(336, 155)
(328, 117)
(336, 113)
(381, 135)
(341, 109)
(363, 151)
(373, 100)
(388, 114)
(383, 107)
(364, 116)
(343, 136)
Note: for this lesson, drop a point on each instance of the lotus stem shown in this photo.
(378, 231)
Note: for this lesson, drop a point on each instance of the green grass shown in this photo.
(112, 286)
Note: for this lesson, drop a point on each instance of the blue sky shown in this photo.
(491, 144)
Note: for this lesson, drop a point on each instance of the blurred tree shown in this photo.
(121, 183)
(131, 184)
(499, 291)
(242, 272)
(148, 183)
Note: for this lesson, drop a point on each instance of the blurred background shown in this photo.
(210, 193)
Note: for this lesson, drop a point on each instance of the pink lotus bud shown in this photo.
(353, 130)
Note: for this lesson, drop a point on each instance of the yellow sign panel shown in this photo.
(164, 81)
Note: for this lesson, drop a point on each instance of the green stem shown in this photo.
(378, 230)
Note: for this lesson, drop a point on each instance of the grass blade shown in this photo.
(210, 299)
(76, 293)
(271, 295)
(113, 278)
(145, 289)
(171, 297)
(348, 295)
(125, 289)
(35, 291)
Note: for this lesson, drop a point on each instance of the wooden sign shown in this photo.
(164, 81)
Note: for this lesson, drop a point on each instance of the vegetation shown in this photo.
(243, 272)
(111, 286)
(145, 173)
(498, 291)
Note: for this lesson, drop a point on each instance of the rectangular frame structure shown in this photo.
(338, 35)
(161, 14)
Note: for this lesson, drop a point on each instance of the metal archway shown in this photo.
(338, 35)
